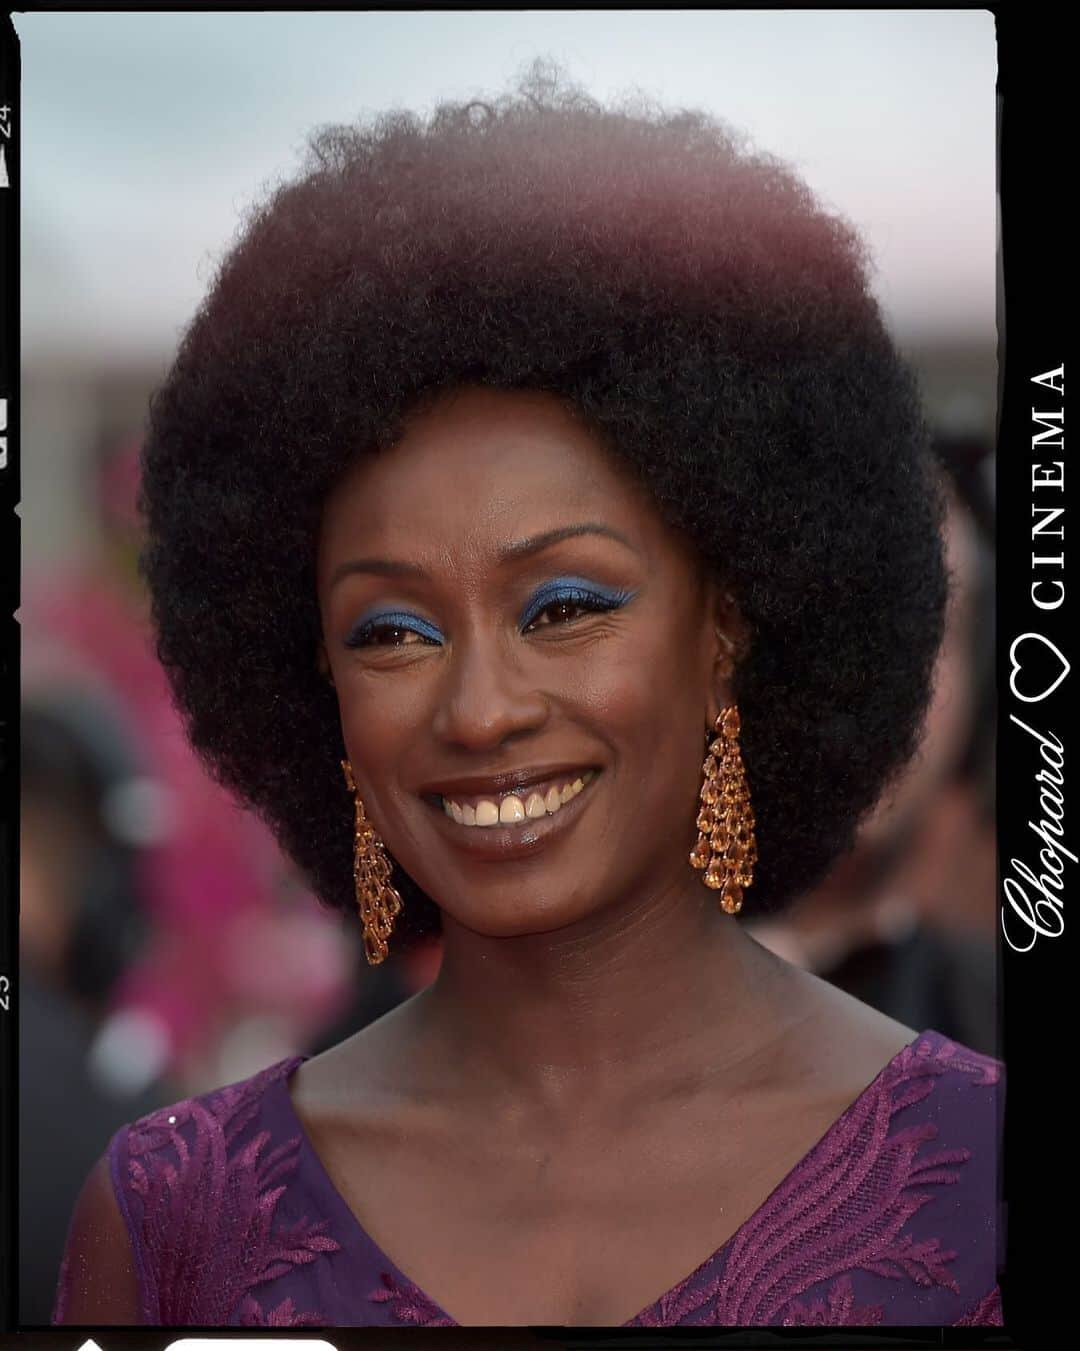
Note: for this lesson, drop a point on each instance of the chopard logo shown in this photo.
(1034, 897)
(1037, 899)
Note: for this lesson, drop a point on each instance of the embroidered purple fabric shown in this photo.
(890, 1219)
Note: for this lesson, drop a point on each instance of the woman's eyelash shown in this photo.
(579, 597)
(362, 635)
(582, 598)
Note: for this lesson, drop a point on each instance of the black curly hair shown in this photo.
(690, 299)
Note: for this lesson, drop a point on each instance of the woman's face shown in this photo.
(506, 617)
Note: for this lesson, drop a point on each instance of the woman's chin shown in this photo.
(528, 915)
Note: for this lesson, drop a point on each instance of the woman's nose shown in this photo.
(487, 695)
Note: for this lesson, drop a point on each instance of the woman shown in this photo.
(515, 458)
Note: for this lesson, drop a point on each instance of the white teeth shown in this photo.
(487, 814)
(510, 810)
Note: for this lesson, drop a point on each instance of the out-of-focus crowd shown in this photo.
(166, 947)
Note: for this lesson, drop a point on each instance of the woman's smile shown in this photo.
(514, 822)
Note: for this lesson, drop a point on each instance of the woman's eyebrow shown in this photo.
(523, 548)
(388, 567)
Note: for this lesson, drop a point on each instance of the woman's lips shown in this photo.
(523, 836)
(542, 798)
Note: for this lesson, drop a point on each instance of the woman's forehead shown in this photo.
(493, 466)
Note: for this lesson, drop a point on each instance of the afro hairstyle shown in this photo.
(685, 294)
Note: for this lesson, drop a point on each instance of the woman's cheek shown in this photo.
(375, 724)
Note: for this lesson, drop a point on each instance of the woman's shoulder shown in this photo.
(952, 1057)
(207, 1143)
(931, 1116)
(202, 1168)
(896, 1211)
(226, 1113)
(851, 1044)
(958, 1090)
(915, 1162)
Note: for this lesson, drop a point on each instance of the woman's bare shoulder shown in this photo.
(835, 1045)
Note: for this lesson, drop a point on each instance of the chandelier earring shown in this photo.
(726, 848)
(378, 902)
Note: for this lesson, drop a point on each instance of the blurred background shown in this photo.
(165, 946)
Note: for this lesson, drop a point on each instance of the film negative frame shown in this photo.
(1036, 653)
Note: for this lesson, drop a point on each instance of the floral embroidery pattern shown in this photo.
(986, 1313)
(844, 1208)
(837, 1309)
(283, 1316)
(202, 1189)
(409, 1304)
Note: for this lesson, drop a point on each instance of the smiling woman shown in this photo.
(548, 470)
(467, 633)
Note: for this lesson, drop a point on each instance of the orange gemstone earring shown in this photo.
(378, 902)
(726, 848)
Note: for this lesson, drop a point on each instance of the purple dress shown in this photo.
(890, 1219)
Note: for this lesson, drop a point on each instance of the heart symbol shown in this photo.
(1035, 698)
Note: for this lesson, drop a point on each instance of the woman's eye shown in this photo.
(397, 631)
(558, 611)
(383, 633)
(392, 635)
(565, 609)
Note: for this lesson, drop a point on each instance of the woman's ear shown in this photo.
(730, 643)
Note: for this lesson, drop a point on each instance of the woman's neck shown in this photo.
(666, 991)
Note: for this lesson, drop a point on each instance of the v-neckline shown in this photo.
(351, 1223)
